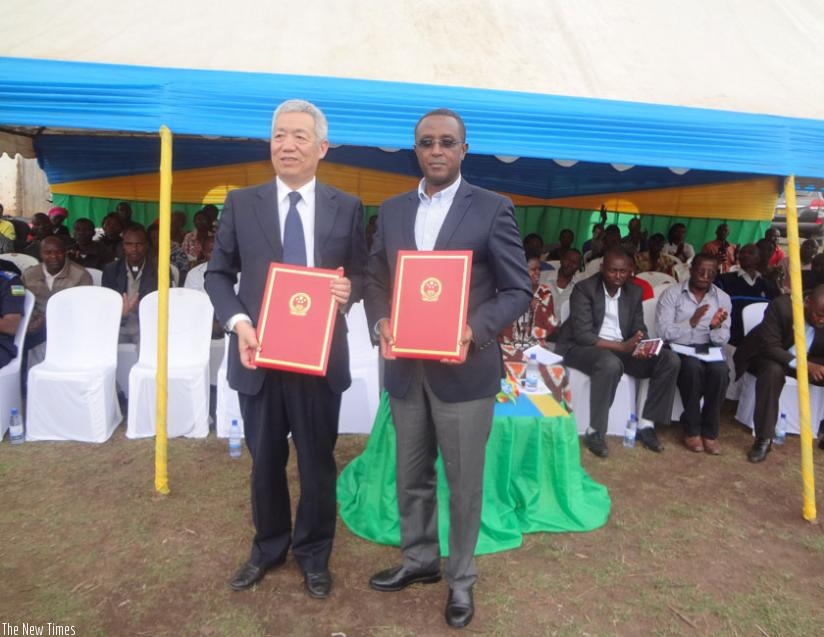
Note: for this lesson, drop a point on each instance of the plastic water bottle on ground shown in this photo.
(780, 430)
(16, 433)
(234, 440)
(532, 374)
(630, 431)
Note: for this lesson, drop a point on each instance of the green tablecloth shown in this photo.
(533, 481)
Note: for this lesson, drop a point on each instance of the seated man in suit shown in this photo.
(606, 322)
(134, 276)
(768, 352)
(696, 312)
(46, 279)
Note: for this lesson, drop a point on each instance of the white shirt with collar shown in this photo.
(306, 210)
(432, 212)
(611, 327)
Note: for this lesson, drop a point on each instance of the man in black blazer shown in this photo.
(768, 352)
(133, 276)
(606, 322)
(292, 219)
(437, 405)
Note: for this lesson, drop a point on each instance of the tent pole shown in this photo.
(807, 478)
(163, 258)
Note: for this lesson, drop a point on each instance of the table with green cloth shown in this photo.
(533, 480)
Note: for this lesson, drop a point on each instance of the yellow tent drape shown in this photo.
(163, 257)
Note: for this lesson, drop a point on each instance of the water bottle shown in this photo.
(780, 430)
(629, 432)
(532, 374)
(234, 440)
(16, 434)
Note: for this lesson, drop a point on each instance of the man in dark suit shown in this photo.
(768, 352)
(437, 405)
(291, 219)
(606, 322)
(133, 276)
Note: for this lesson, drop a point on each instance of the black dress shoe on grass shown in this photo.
(459, 608)
(596, 443)
(649, 439)
(398, 578)
(760, 448)
(247, 576)
(318, 584)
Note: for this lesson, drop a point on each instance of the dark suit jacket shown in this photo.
(248, 240)
(114, 277)
(773, 337)
(500, 289)
(586, 313)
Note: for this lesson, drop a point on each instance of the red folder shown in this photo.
(429, 303)
(297, 319)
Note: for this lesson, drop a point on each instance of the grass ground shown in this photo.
(695, 545)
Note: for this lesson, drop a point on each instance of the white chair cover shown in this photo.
(751, 316)
(10, 396)
(21, 260)
(359, 403)
(658, 289)
(97, 275)
(624, 404)
(190, 328)
(72, 393)
(681, 272)
(227, 406)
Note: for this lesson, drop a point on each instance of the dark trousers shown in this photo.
(769, 381)
(698, 379)
(305, 406)
(605, 368)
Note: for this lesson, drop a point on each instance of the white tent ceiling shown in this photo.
(757, 56)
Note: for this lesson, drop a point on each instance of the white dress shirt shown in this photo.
(611, 327)
(431, 213)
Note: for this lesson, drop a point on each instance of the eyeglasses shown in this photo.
(447, 143)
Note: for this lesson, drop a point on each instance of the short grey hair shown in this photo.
(302, 106)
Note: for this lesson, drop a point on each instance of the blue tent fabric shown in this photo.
(114, 156)
(382, 114)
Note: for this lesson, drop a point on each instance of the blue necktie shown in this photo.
(294, 244)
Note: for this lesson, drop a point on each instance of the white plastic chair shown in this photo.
(658, 289)
(681, 272)
(190, 329)
(649, 307)
(580, 385)
(656, 278)
(10, 396)
(97, 275)
(751, 316)
(71, 394)
(359, 403)
(21, 260)
(227, 406)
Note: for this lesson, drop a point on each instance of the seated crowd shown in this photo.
(702, 309)
(597, 287)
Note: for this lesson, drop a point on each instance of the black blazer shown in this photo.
(500, 288)
(586, 313)
(773, 337)
(248, 240)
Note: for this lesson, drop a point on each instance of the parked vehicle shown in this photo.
(810, 207)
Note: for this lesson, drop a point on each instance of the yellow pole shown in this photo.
(807, 478)
(163, 256)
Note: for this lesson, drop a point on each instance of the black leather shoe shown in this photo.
(318, 584)
(247, 576)
(760, 448)
(649, 439)
(459, 608)
(398, 578)
(597, 444)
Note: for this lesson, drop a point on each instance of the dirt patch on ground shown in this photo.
(695, 545)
